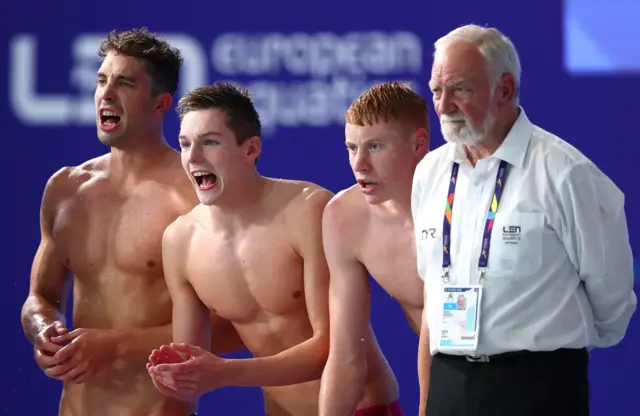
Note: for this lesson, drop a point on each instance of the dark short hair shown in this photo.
(163, 61)
(242, 118)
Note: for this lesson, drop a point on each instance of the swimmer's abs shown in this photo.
(108, 399)
(295, 400)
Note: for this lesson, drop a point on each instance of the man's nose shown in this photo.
(108, 92)
(446, 103)
(195, 154)
(361, 161)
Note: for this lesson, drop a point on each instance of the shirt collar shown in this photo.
(512, 150)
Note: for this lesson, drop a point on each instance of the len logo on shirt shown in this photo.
(511, 234)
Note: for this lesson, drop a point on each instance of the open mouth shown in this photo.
(366, 184)
(109, 119)
(205, 180)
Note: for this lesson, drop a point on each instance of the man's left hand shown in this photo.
(86, 352)
(189, 378)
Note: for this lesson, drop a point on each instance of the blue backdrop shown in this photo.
(305, 62)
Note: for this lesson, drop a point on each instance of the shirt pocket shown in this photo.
(516, 245)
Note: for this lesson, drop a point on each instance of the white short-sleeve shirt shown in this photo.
(560, 271)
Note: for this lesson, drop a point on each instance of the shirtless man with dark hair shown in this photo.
(102, 222)
(252, 251)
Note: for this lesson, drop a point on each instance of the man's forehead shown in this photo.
(198, 122)
(450, 75)
(460, 60)
(378, 131)
(124, 64)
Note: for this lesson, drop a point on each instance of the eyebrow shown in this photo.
(452, 83)
(201, 136)
(366, 141)
(119, 77)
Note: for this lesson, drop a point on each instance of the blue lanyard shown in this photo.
(486, 238)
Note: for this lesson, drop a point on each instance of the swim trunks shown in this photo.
(391, 409)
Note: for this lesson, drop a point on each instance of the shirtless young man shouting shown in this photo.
(368, 228)
(103, 222)
(252, 251)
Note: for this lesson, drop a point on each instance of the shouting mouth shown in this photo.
(205, 180)
(109, 120)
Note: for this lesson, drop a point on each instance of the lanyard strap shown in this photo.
(486, 238)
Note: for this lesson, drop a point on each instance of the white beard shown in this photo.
(466, 135)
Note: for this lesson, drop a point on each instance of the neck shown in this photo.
(241, 208)
(396, 206)
(494, 139)
(482, 150)
(399, 204)
(134, 161)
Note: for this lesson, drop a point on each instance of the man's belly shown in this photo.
(119, 393)
(295, 400)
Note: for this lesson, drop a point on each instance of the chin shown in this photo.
(463, 138)
(108, 139)
(466, 135)
(375, 199)
(208, 200)
(209, 197)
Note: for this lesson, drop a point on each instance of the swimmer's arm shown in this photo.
(225, 338)
(424, 361)
(303, 362)
(191, 318)
(48, 287)
(344, 376)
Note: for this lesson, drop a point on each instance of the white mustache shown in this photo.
(445, 118)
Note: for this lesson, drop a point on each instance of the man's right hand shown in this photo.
(44, 347)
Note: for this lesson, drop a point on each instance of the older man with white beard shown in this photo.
(522, 244)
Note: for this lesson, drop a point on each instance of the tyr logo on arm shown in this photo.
(430, 232)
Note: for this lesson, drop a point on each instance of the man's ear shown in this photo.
(253, 148)
(163, 104)
(506, 90)
(420, 142)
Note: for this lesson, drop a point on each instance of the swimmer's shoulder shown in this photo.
(176, 246)
(67, 180)
(300, 193)
(349, 200)
(181, 230)
(346, 208)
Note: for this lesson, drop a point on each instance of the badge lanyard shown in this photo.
(486, 238)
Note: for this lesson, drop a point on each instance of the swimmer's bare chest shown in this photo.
(112, 243)
(388, 253)
(250, 276)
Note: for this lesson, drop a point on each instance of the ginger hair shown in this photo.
(390, 102)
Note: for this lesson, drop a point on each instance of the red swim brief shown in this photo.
(391, 409)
